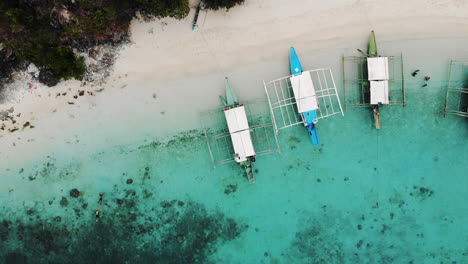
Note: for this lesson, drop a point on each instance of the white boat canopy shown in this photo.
(304, 92)
(311, 90)
(238, 126)
(378, 76)
(379, 92)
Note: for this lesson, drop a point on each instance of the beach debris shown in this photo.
(75, 96)
(155, 95)
(424, 85)
(57, 95)
(100, 90)
(74, 193)
(64, 94)
(427, 78)
(129, 181)
(25, 125)
(58, 219)
(71, 103)
(80, 93)
(119, 201)
(415, 73)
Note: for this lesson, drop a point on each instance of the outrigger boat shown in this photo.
(195, 19)
(304, 93)
(239, 131)
(372, 81)
(378, 76)
(302, 98)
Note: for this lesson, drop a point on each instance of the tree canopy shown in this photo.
(45, 32)
(217, 4)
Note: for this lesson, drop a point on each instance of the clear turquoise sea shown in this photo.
(395, 195)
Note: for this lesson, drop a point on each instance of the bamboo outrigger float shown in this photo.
(242, 136)
(378, 80)
(312, 94)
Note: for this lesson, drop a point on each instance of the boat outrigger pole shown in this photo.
(239, 130)
(303, 96)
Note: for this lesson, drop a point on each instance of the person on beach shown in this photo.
(100, 197)
(97, 213)
(414, 73)
(427, 78)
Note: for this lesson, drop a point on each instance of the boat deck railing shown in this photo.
(283, 105)
(456, 99)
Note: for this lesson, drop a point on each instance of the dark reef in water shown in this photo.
(175, 234)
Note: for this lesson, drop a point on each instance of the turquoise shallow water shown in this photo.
(397, 195)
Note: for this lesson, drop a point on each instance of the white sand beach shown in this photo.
(169, 74)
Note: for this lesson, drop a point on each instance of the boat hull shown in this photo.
(309, 117)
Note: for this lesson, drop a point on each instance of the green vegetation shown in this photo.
(217, 4)
(46, 32)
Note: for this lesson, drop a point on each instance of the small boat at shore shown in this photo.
(304, 97)
(195, 18)
(239, 132)
(378, 76)
(304, 93)
(236, 119)
(372, 80)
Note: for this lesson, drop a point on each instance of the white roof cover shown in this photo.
(377, 68)
(379, 92)
(240, 133)
(304, 92)
(236, 119)
(243, 147)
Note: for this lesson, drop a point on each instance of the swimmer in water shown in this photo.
(98, 214)
(100, 197)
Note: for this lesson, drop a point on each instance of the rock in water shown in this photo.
(74, 193)
(47, 77)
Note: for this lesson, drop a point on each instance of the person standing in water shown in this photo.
(100, 197)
